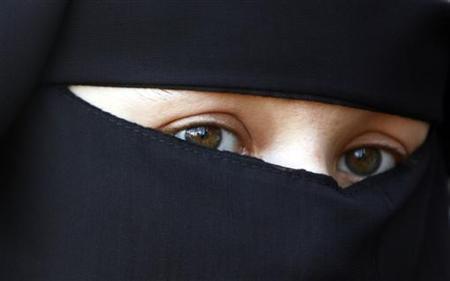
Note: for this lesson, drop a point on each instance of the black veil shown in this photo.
(79, 201)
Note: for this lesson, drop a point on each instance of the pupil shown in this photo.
(363, 161)
(208, 136)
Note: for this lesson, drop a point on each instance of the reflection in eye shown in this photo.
(366, 161)
(210, 136)
(353, 165)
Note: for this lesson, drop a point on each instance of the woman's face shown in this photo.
(346, 143)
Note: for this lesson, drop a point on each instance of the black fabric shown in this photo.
(116, 201)
(389, 55)
(28, 31)
(87, 196)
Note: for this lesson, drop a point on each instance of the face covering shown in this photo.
(89, 196)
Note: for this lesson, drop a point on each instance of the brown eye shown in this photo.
(205, 135)
(363, 161)
(366, 161)
(210, 136)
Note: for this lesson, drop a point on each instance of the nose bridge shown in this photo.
(302, 153)
(295, 138)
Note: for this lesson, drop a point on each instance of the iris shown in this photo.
(363, 161)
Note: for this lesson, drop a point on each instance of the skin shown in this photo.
(293, 133)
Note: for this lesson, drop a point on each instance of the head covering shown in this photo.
(89, 196)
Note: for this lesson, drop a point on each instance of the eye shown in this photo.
(210, 136)
(366, 161)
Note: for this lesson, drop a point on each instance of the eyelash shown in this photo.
(204, 124)
(243, 136)
(394, 151)
(245, 148)
(399, 156)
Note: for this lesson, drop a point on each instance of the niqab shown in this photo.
(89, 196)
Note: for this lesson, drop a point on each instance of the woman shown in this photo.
(226, 140)
(349, 144)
